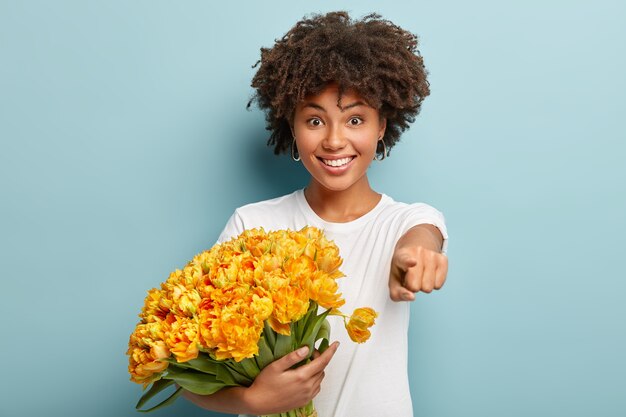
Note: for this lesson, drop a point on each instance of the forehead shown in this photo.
(330, 94)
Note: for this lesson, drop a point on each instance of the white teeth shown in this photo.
(336, 162)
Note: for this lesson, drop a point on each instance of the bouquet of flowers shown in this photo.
(237, 307)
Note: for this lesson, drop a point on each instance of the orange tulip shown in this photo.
(290, 304)
(360, 322)
(182, 339)
(323, 289)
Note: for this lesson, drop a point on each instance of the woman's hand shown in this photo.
(278, 388)
(417, 264)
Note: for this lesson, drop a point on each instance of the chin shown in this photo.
(336, 186)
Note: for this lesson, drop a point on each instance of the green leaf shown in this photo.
(302, 324)
(203, 363)
(252, 369)
(284, 345)
(323, 346)
(269, 335)
(266, 356)
(313, 328)
(324, 331)
(238, 372)
(194, 381)
(224, 375)
(324, 334)
(157, 387)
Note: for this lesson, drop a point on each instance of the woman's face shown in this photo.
(337, 145)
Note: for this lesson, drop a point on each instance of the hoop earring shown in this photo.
(384, 153)
(294, 151)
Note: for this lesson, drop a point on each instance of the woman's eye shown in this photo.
(355, 121)
(315, 122)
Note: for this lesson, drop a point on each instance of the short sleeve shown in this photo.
(234, 227)
(420, 213)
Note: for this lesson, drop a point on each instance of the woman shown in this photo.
(337, 94)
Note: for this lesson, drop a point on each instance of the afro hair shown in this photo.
(372, 56)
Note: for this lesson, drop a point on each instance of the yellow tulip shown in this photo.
(358, 326)
(328, 259)
(300, 269)
(323, 289)
(142, 367)
(146, 350)
(182, 339)
(278, 327)
(153, 309)
(290, 304)
(261, 305)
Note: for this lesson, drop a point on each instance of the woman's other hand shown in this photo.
(278, 388)
(417, 263)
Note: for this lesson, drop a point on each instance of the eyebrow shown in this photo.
(344, 108)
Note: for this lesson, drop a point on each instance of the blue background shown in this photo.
(125, 145)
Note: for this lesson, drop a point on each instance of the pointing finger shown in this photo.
(397, 292)
(407, 261)
(413, 278)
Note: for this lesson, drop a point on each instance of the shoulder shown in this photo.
(264, 213)
(270, 206)
(400, 210)
(403, 216)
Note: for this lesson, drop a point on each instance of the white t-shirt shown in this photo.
(369, 379)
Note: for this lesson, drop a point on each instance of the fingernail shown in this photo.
(303, 351)
(406, 296)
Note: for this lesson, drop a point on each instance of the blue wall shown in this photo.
(125, 145)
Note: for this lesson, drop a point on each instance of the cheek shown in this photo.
(308, 141)
(368, 147)
(305, 147)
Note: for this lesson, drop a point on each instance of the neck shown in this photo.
(344, 205)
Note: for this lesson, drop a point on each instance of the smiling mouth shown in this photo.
(337, 162)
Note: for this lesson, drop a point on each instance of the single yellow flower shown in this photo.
(358, 326)
(328, 259)
(265, 263)
(153, 309)
(290, 304)
(261, 305)
(256, 241)
(278, 327)
(284, 246)
(323, 289)
(230, 334)
(300, 270)
(183, 301)
(142, 367)
(182, 339)
(272, 280)
(146, 349)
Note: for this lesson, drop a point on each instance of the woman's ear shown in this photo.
(290, 123)
(383, 126)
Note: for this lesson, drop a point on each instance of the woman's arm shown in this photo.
(277, 389)
(230, 400)
(417, 263)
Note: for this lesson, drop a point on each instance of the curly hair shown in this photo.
(372, 56)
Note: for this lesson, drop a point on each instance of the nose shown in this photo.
(335, 139)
